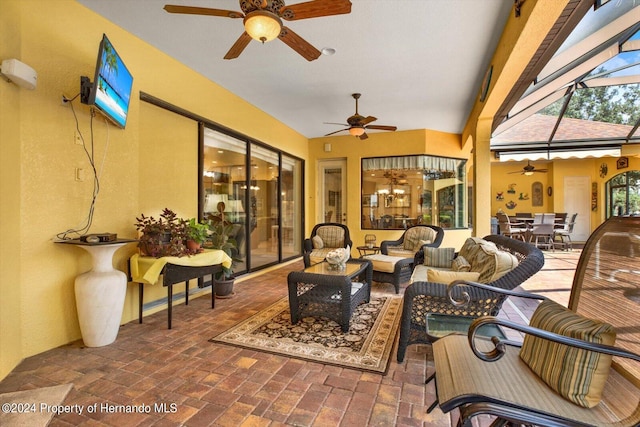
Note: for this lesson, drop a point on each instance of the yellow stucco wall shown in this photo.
(138, 170)
(378, 144)
(11, 242)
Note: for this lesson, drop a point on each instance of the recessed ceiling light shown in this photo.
(328, 51)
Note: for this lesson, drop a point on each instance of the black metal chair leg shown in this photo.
(435, 385)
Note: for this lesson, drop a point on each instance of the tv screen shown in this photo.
(111, 88)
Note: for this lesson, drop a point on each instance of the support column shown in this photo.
(482, 178)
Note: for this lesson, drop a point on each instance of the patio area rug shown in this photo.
(366, 346)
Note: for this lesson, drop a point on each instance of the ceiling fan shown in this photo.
(529, 169)
(359, 124)
(263, 21)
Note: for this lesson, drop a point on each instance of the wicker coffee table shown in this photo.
(322, 291)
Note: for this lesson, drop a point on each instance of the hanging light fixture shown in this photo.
(262, 25)
(392, 192)
(356, 130)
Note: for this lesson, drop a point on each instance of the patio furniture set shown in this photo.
(543, 230)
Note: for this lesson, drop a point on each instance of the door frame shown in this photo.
(323, 192)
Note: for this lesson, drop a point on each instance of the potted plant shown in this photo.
(222, 237)
(164, 236)
(197, 233)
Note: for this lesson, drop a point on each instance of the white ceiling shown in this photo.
(418, 63)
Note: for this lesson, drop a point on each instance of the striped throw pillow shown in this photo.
(438, 257)
(577, 375)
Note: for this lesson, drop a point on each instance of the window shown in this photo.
(399, 192)
(623, 194)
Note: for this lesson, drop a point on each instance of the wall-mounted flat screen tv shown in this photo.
(111, 88)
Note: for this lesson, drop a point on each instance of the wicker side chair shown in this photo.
(421, 298)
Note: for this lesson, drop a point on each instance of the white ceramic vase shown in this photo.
(100, 295)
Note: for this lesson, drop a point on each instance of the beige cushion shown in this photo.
(460, 263)
(414, 236)
(398, 251)
(317, 242)
(491, 262)
(470, 248)
(485, 258)
(383, 263)
(419, 273)
(318, 255)
(577, 375)
(438, 257)
(446, 277)
(332, 236)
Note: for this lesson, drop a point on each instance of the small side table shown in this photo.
(439, 325)
(368, 250)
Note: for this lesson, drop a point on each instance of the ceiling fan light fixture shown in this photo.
(528, 173)
(356, 130)
(262, 25)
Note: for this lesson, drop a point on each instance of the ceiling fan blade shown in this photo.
(368, 120)
(191, 10)
(238, 46)
(314, 9)
(299, 44)
(520, 172)
(364, 136)
(540, 170)
(381, 127)
(341, 130)
(332, 123)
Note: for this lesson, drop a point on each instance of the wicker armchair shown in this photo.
(332, 235)
(421, 298)
(563, 389)
(409, 242)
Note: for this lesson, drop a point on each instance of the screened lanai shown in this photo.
(585, 102)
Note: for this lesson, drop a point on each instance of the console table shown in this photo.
(100, 293)
(147, 270)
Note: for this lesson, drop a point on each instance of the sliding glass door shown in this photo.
(261, 189)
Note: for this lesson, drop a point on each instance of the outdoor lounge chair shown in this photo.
(422, 297)
(551, 384)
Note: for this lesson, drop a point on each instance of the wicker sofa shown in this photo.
(422, 297)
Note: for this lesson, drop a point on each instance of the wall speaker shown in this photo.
(19, 73)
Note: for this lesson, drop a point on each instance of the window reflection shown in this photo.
(399, 192)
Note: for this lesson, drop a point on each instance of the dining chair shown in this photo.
(560, 220)
(541, 234)
(537, 219)
(516, 230)
(564, 233)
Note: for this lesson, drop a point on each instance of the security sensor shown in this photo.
(19, 73)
